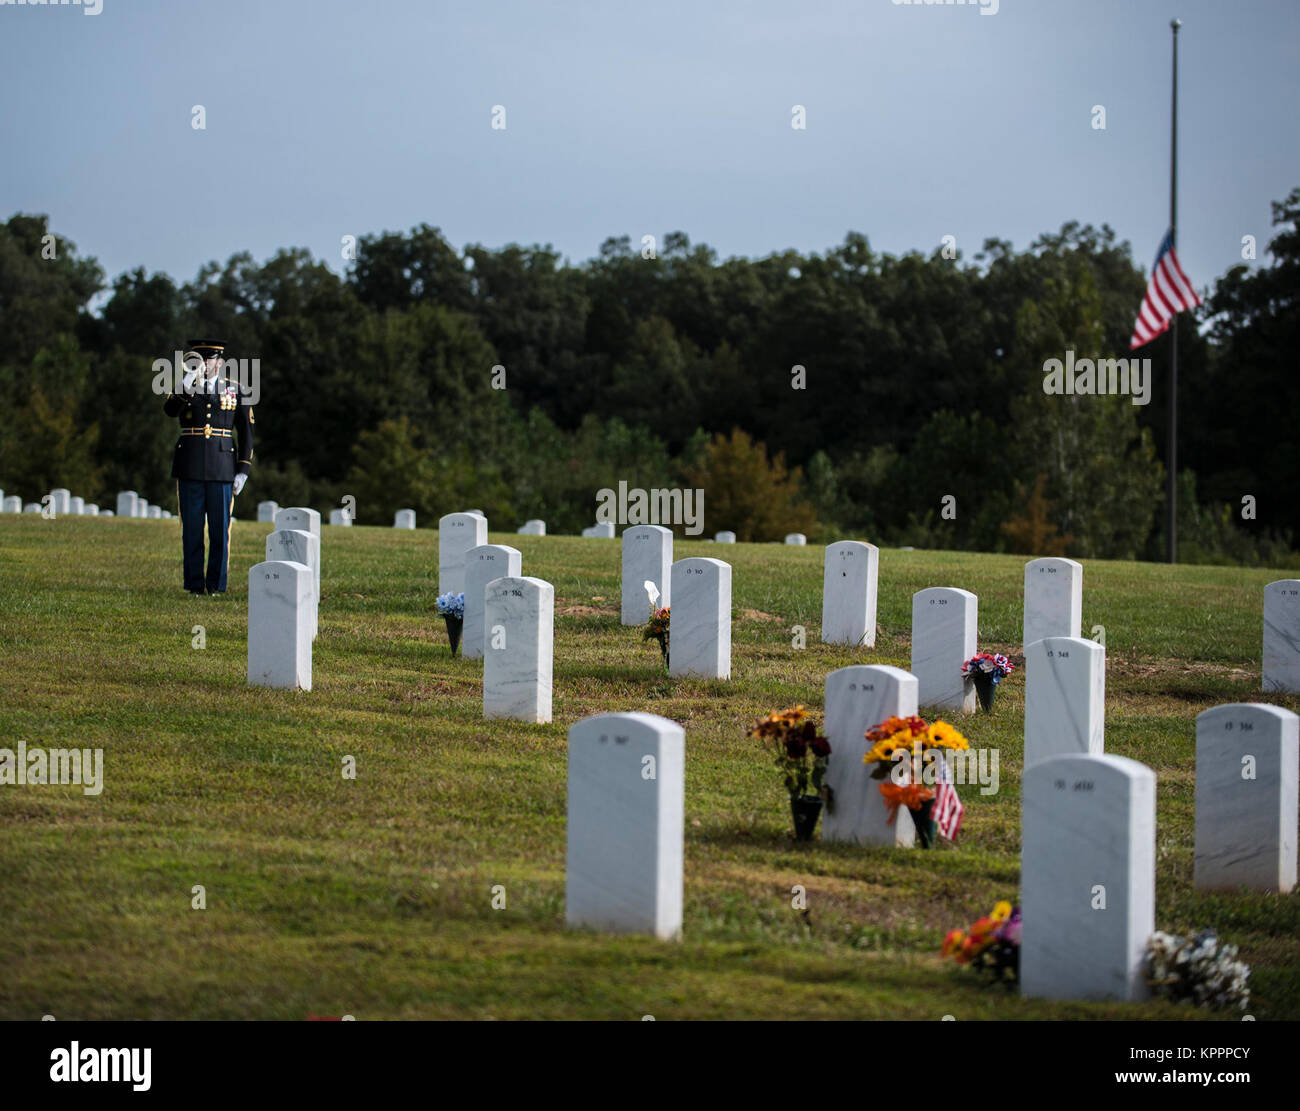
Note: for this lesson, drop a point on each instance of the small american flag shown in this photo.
(1168, 293)
(947, 806)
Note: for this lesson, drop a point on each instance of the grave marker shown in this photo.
(518, 631)
(849, 593)
(280, 603)
(857, 698)
(1282, 636)
(647, 556)
(482, 565)
(457, 534)
(1087, 877)
(266, 511)
(405, 518)
(1065, 698)
(1247, 761)
(297, 546)
(700, 633)
(626, 810)
(944, 621)
(1053, 599)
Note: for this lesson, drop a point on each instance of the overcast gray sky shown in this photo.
(328, 118)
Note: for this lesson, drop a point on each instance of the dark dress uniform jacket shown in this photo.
(216, 439)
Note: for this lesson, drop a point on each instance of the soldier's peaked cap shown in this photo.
(207, 347)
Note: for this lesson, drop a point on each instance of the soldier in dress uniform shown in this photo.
(213, 456)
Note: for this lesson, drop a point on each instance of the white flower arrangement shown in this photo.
(1198, 970)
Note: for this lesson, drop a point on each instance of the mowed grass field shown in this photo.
(374, 897)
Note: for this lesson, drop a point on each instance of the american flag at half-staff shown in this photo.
(947, 806)
(1168, 293)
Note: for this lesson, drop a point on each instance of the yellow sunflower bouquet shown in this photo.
(912, 736)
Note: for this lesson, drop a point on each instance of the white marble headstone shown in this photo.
(106, 513)
(91, 510)
(1247, 762)
(482, 565)
(726, 536)
(141, 507)
(849, 593)
(297, 546)
(857, 698)
(602, 531)
(647, 556)
(76, 506)
(32, 507)
(61, 501)
(307, 520)
(1087, 877)
(1065, 698)
(126, 503)
(155, 512)
(944, 621)
(457, 534)
(626, 811)
(405, 518)
(798, 539)
(699, 639)
(13, 504)
(518, 640)
(1282, 636)
(534, 527)
(266, 511)
(1053, 599)
(280, 604)
(341, 518)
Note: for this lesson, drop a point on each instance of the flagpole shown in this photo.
(1171, 495)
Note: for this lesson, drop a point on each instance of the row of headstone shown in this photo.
(284, 602)
(131, 504)
(1088, 834)
(77, 507)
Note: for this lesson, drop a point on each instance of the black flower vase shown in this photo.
(923, 819)
(454, 627)
(985, 687)
(806, 809)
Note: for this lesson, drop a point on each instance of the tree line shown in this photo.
(847, 393)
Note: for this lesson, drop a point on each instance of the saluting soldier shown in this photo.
(213, 456)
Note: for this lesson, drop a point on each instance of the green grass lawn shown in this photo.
(373, 897)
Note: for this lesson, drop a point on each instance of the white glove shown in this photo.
(240, 479)
(188, 383)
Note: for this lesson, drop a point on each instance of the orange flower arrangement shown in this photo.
(911, 795)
